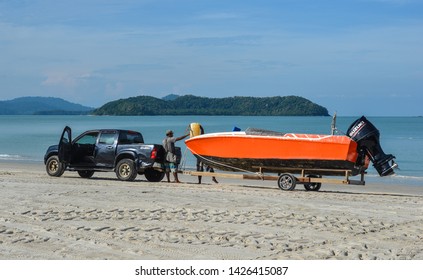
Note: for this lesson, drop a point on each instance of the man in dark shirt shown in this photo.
(171, 162)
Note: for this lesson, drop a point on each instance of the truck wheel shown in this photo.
(153, 175)
(54, 167)
(287, 182)
(85, 173)
(125, 170)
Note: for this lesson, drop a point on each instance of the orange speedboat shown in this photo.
(279, 152)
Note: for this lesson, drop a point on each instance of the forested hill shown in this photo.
(194, 105)
(36, 105)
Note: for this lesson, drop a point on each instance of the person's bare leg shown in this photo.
(175, 175)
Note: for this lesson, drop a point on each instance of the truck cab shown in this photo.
(122, 151)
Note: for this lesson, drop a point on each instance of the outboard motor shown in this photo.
(366, 135)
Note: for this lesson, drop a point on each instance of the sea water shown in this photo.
(26, 138)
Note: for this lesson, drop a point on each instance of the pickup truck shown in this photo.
(121, 151)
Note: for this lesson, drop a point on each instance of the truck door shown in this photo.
(65, 146)
(83, 149)
(106, 149)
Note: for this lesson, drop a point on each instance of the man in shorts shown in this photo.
(171, 162)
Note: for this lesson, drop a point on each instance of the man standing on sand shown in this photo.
(171, 161)
(200, 167)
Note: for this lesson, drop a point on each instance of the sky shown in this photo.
(354, 57)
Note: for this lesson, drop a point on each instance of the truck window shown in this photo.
(130, 137)
(107, 138)
(89, 138)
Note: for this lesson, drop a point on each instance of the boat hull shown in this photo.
(321, 167)
(239, 151)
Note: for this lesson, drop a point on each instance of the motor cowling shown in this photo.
(367, 135)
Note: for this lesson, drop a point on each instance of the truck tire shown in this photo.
(54, 167)
(125, 170)
(85, 173)
(153, 175)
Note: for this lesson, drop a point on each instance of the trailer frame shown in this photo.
(311, 178)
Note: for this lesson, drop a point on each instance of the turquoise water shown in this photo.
(26, 138)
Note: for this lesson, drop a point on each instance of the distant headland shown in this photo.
(169, 105)
(37, 105)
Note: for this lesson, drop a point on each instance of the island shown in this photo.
(227, 106)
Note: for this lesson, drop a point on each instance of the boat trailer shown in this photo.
(311, 178)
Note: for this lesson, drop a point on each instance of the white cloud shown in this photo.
(115, 89)
(59, 79)
(66, 80)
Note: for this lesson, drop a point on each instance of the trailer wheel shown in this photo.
(287, 182)
(312, 186)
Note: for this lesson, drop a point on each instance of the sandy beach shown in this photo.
(46, 218)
